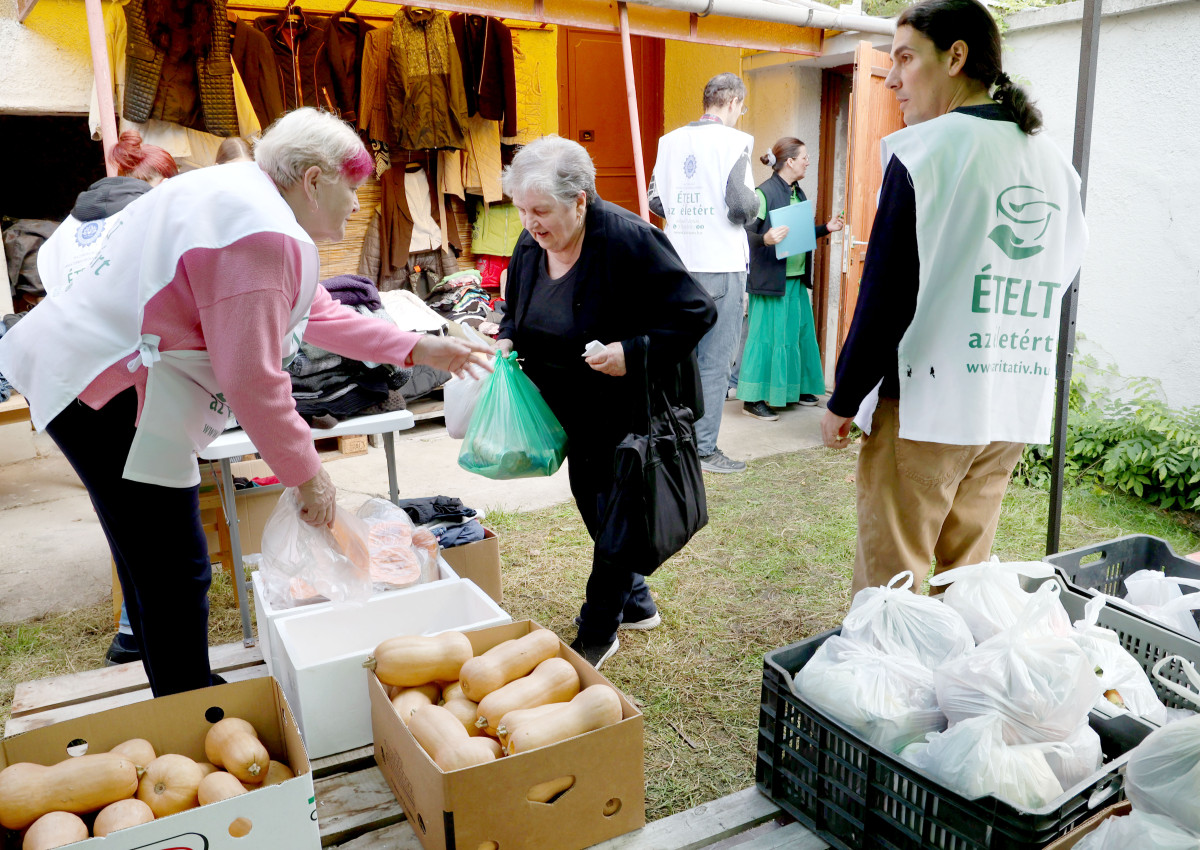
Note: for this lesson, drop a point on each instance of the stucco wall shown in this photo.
(46, 67)
(686, 69)
(1140, 284)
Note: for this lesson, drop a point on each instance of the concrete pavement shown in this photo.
(53, 556)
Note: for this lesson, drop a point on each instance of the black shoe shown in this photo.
(653, 621)
(759, 410)
(808, 400)
(122, 650)
(596, 654)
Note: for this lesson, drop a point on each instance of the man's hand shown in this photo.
(463, 358)
(317, 504)
(775, 235)
(611, 361)
(835, 430)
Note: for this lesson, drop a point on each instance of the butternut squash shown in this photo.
(121, 815)
(77, 785)
(594, 708)
(137, 750)
(467, 713)
(446, 741)
(522, 717)
(505, 662)
(170, 784)
(554, 680)
(233, 744)
(219, 786)
(411, 660)
(207, 767)
(277, 772)
(452, 690)
(546, 791)
(408, 700)
(55, 829)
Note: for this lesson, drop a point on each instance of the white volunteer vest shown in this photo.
(1000, 236)
(690, 173)
(99, 275)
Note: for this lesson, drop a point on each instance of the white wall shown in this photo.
(1140, 283)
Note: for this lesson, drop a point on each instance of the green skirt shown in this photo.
(781, 360)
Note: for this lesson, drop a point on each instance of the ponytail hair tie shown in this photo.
(1003, 81)
(771, 158)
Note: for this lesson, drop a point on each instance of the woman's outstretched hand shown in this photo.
(463, 358)
(611, 361)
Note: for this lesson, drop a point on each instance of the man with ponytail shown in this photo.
(950, 359)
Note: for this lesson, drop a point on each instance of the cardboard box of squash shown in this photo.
(564, 769)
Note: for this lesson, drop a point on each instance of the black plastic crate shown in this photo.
(1103, 567)
(856, 796)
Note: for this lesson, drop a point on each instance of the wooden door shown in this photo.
(594, 111)
(874, 114)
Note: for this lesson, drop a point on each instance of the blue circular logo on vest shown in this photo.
(689, 167)
(88, 232)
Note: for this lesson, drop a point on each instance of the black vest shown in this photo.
(768, 275)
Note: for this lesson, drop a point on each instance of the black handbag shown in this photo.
(657, 500)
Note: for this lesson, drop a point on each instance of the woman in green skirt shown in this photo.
(781, 363)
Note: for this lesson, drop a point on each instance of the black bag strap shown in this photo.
(648, 391)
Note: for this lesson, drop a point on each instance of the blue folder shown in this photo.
(802, 235)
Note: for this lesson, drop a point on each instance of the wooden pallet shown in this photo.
(349, 445)
(356, 808)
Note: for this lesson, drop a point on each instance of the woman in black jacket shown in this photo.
(584, 270)
(781, 363)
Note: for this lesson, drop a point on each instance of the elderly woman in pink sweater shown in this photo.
(170, 316)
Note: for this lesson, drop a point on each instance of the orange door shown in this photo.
(873, 115)
(594, 111)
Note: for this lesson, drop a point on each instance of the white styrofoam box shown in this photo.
(320, 654)
(267, 614)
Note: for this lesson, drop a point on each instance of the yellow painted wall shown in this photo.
(687, 68)
(46, 65)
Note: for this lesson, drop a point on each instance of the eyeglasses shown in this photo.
(744, 109)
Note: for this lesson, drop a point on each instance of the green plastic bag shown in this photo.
(513, 433)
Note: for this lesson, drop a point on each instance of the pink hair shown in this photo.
(145, 162)
(358, 166)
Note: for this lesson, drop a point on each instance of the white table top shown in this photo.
(237, 442)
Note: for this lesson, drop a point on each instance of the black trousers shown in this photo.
(156, 539)
(614, 594)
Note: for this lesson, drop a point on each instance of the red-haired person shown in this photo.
(184, 311)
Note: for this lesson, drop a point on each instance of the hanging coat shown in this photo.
(427, 105)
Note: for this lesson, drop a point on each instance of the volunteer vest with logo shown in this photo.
(1000, 236)
(693, 166)
(100, 276)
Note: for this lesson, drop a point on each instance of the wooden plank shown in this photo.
(702, 826)
(16, 409)
(73, 688)
(17, 725)
(359, 759)
(351, 804)
(791, 837)
(397, 837)
(426, 408)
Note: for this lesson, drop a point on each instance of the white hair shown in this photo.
(303, 138)
(556, 166)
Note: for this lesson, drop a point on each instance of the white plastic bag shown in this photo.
(401, 554)
(1075, 759)
(1041, 684)
(972, 759)
(989, 596)
(1124, 682)
(1162, 776)
(900, 622)
(1158, 596)
(1138, 829)
(461, 396)
(889, 700)
(302, 563)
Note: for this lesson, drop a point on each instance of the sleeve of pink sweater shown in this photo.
(244, 295)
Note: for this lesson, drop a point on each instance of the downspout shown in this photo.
(758, 10)
(103, 78)
(635, 125)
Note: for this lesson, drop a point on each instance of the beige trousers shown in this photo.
(925, 503)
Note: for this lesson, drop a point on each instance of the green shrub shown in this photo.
(1125, 439)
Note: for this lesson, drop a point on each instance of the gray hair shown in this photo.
(722, 89)
(559, 167)
(306, 137)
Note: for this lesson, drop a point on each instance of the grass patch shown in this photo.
(772, 567)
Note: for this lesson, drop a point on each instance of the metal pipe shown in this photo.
(635, 125)
(102, 74)
(758, 10)
(1085, 107)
